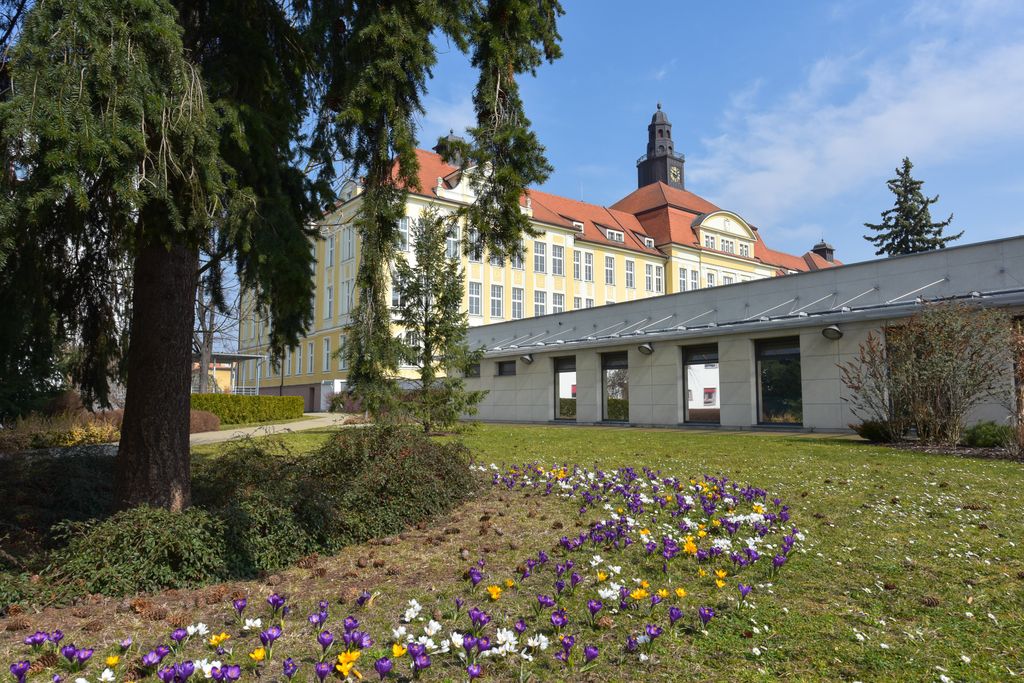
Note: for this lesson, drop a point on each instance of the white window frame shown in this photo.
(518, 298)
(327, 354)
(517, 260)
(709, 241)
(342, 352)
(711, 279)
(588, 303)
(330, 251)
(403, 233)
(609, 270)
(649, 277)
(539, 256)
(310, 352)
(630, 274)
(452, 243)
(616, 235)
(744, 249)
(658, 279)
(475, 247)
(682, 279)
(557, 302)
(588, 266)
(478, 298)
(329, 302)
(577, 267)
(727, 279)
(694, 279)
(557, 260)
(577, 303)
(497, 297)
(540, 303)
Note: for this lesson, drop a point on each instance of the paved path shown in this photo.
(318, 421)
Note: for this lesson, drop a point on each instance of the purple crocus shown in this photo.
(276, 602)
(178, 635)
(474, 671)
(325, 638)
(421, 662)
(36, 640)
(351, 624)
(632, 643)
(590, 653)
(363, 598)
(239, 605)
(322, 670)
(270, 635)
(459, 602)
(545, 602)
(475, 576)
(483, 644)
(126, 643)
(559, 618)
(744, 591)
(594, 606)
(290, 667)
(183, 670)
(778, 561)
(19, 670)
(162, 651)
(706, 614)
(674, 615)
(150, 659)
(652, 631)
(166, 674)
(56, 636)
(383, 667)
(69, 651)
(232, 673)
(520, 626)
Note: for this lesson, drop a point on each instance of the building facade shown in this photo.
(761, 353)
(659, 239)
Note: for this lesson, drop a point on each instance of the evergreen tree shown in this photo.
(907, 227)
(430, 312)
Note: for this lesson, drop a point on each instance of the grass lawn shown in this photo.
(911, 568)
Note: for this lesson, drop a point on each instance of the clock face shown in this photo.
(674, 174)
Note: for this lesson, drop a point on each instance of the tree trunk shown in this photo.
(153, 457)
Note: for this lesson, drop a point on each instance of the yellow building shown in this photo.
(657, 240)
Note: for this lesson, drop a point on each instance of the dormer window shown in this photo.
(649, 242)
(615, 236)
(578, 225)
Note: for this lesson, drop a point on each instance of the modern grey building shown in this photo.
(756, 353)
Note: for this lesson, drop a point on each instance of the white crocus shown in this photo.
(456, 639)
(399, 633)
(432, 628)
(413, 611)
(107, 676)
(251, 624)
(197, 629)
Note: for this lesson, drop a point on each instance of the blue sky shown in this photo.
(793, 114)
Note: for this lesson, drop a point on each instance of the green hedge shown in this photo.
(235, 409)
(618, 409)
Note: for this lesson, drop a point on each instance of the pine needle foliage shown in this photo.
(907, 227)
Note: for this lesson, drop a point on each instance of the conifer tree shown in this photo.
(907, 227)
(430, 312)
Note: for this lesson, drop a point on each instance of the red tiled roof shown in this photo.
(664, 213)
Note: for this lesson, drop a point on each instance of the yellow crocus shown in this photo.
(702, 533)
(701, 573)
(721, 573)
(645, 531)
(639, 594)
(509, 583)
(258, 655)
(716, 522)
(680, 593)
(216, 640)
(601, 576)
(720, 583)
(495, 592)
(397, 650)
(644, 584)
(112, 661)
(662, 593)
(758, 508)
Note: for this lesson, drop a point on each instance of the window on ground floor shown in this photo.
(615, 387)
(565, 388)
(701, 384)
(779, 393)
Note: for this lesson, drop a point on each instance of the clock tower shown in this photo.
(661, 163)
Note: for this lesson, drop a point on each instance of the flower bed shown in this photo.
(658, 559)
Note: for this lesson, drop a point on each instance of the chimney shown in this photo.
(825, 251)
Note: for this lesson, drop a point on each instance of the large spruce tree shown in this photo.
(907, 227)
(155, 143)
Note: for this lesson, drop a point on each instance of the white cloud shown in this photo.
(853, 119)
(443, 115)
(664, 70)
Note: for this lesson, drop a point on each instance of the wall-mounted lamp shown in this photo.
(526, 358)
(832, 332)
(646, 349)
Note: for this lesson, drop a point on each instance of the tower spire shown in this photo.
(661, 163)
